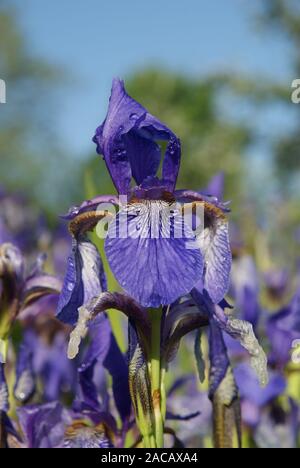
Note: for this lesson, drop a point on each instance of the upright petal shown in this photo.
(128, 140)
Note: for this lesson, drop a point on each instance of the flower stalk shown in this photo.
(156, 376)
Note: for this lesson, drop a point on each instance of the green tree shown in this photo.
(30, 153)
(283, 17)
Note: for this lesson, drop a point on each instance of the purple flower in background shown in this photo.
(282, 329)
(254, 397)
(103, 352)
(19, 289)
(277, 282)
(245, 289)
(216, 186)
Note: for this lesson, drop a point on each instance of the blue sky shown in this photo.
(95, 40)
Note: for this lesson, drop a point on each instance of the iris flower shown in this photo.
(155, 269)
(169, 249)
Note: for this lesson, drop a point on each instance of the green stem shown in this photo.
(155, 375)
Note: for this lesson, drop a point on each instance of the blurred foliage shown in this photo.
(28, 142)
(33, 161)
(283, 17)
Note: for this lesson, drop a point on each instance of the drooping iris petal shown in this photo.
(239, 330)
(245, 289)
(4, 404)
(99, 305)
(149, 253)
(200, 362)
(43, 425)
(219, 361)
(84, 280)
(243, 332)
(215, 245)
(104, 350)
(210, 225)
(128, 140)
(25, 379)
(181, 320)
(115, 364)
(223, 392)
(215, 187)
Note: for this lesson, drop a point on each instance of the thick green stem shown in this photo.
(155, 376)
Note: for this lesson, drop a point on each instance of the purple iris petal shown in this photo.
(215, 246)
(211, 228)
(251, 390)
(219, 361)
(105, 351)
(43, 426)
(90, 205)
(187, 196)
(25, 379)
(149, 261)
(128, 141)
(215, 187)
(4, 405)
(51, 365)
(84, 280)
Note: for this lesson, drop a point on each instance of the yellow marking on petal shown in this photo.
(209, 209)
(87, 222)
